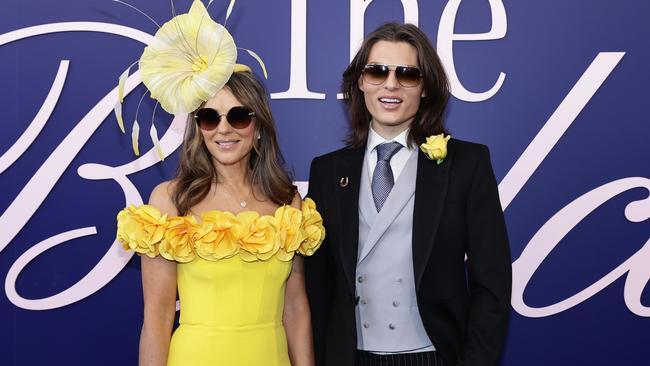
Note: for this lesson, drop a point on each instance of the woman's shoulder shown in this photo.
(161, 198)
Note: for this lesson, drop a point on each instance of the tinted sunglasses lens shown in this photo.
(408, 76)
(207, 119)
(239, 117)
(375, 74)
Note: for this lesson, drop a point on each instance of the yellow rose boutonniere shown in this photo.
(436, 147)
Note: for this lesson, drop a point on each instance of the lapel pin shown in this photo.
(344, 182)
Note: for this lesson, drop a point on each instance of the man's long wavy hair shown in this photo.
(429, 119)
(196, 172)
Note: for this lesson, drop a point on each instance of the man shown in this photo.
(391, 284)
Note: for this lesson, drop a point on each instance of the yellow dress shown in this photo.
(231, 276)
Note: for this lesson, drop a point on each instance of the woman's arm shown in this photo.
(297, 319)
(159, 290)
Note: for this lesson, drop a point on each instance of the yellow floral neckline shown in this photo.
(222, 234)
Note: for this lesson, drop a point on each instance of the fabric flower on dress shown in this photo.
(436, 147)
(221, 234)
(259, 239)
(312, 227)
(290, 234)
(141, 229)
(216, 237)
(191, 59)
(178, 241)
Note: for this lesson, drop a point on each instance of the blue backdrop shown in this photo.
(557, 89)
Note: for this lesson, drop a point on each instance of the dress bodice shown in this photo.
(232, 293)
(232, 272)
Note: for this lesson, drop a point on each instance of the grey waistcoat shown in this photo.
(387, 314)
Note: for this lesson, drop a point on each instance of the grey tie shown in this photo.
(382, 178)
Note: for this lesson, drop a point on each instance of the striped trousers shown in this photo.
(399, 359)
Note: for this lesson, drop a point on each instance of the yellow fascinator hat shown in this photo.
(190, 60)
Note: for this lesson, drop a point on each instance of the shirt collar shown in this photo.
(375, 139)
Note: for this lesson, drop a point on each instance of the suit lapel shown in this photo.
(398, 198)
(430, 191)
(348, 167)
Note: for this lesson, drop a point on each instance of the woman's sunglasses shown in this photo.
(376, 74)
(238, 117)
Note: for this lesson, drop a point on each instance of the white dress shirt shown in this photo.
(398, 161)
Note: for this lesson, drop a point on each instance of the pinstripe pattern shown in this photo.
(399, 359)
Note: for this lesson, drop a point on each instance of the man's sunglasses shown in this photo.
(407, 76)
(238, 117)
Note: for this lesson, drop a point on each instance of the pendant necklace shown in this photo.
(243, 202)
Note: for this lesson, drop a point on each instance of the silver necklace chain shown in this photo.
(242, 203)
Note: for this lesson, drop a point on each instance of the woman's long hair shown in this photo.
(428, 119)
(196, 172)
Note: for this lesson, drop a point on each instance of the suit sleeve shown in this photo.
(318, 267)
(489, 269)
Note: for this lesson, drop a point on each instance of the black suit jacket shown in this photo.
(464, 305)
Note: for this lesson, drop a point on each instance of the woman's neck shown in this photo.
(234, 175)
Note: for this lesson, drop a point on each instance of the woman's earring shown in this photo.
(256, 143)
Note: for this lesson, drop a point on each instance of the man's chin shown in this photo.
(392, 123)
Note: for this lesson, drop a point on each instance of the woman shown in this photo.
(223, 233)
